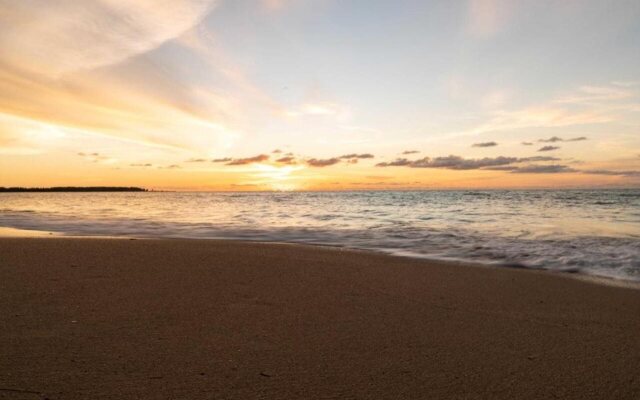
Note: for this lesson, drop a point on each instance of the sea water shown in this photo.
(595, 232)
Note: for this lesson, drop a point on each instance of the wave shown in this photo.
(613, 257)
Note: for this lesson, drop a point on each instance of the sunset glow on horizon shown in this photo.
(320, 94)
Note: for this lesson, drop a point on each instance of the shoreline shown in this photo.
(9, 232)
(157, 319)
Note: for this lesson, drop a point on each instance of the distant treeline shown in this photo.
(74, 189)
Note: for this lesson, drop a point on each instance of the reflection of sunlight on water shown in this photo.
(283, 187)
(278, 178)
(581, 226)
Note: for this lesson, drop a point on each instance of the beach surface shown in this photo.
(205, 319)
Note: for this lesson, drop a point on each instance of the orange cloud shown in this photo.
(249, 160)
(315, 162)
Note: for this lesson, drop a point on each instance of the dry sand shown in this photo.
(179, 319)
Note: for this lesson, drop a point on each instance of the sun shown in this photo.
(278, 178)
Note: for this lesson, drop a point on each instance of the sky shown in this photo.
(320, 94)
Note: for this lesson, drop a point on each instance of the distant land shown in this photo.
(74, 189)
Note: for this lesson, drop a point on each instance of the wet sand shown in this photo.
(181, 319)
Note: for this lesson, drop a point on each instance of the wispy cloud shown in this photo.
(320, 109)
(407, 152)
(315, 162)
(97, 158)
(548, 148)
(461, 163)
(67, 36)
(540, 117)
(626, 83)
(23, 136)
(64, 70)
(355, 155)
(538, 158)
(289, 160)
(451, 162)
(515, 165)
(555, 139)
(249, 160)
(543, 169)
(485, 144)
(612, 172)
(557, 169)
(596, 95)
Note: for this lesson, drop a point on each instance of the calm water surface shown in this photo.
(594, 232)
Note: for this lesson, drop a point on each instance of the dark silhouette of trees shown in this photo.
(74, 189)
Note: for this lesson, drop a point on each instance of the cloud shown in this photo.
(457, 162)
(485, 144)
(220, 160)
(610, 172)
(352, 158)
(460, 163)
(172, 166)
(527, 144)
(320, 109)
(626, 83)
(21, 136)
(552, 139)
(249, 160)
(543, 169)
(143, 165)
(289, 160)
(104, 69)
(597, 94)
(314, 162)
(64, 36)
(539, 117)
(555, 139)
(407, 152)
(355, 156)
(558, 169)
(398, 162)
(196, 160)
(502, 168)
(502, 163)
(538, 158)
(277, 151)
(548, 148)
(450, 162)
(97, 158)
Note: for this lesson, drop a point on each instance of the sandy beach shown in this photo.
(189, 319)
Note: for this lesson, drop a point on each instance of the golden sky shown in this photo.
(319, 94)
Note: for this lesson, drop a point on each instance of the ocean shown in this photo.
(593, 232)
